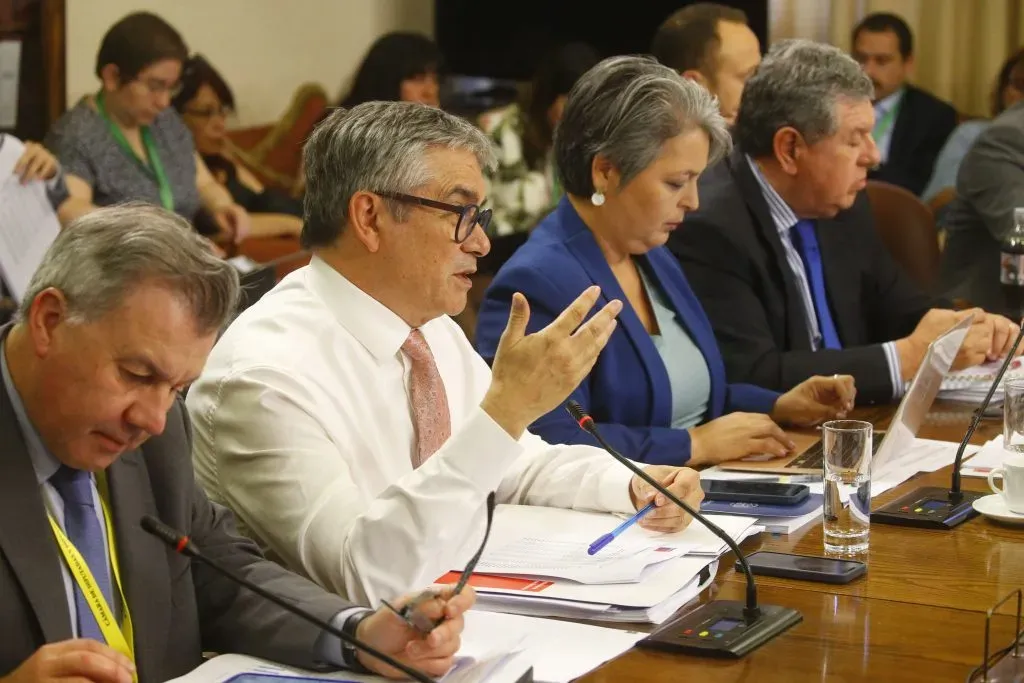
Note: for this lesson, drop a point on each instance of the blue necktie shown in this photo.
(82, 526)
(806, 242)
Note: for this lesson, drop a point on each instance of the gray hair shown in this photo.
(798, 84)
(376, 147)
(103, 256)
(624, 109)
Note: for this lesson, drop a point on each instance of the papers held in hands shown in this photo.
(28, 224)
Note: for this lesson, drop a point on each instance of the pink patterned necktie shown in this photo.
(429, 402)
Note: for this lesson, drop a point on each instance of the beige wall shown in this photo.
(263, 48)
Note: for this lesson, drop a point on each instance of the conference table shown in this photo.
(917, 615)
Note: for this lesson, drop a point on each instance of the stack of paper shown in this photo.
(972, 384)
(497, 648)
(537, 564)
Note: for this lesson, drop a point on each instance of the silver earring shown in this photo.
(597, 199)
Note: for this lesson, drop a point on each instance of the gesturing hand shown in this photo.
(532, 374)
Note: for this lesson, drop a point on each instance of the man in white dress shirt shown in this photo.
(346, 418)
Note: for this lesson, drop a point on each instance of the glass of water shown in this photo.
(1013, 414)
(847, 513)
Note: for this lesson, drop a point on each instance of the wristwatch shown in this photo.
(348, 651)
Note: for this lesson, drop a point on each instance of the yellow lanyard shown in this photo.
(117, 637)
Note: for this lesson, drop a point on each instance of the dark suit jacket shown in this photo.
(178, 609)
(989, 186)
(922, 126)
(628, 391)
(733, 257)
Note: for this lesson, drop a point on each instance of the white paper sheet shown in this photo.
(28, 224)
(567, 558)
(988, 457)
(496, 648)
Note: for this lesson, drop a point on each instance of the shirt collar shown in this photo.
(379, 329)
(783, 216)
(889, 101)
(44, 463)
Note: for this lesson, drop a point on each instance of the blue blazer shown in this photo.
(627, 392)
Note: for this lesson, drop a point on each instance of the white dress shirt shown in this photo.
(303, 426)
(785, 219)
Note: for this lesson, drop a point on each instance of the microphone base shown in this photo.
(929, 507)
(719, 629)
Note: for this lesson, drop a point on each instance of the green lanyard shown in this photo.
(885, 123)
(155, 169)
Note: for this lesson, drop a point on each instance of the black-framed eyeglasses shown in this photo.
(410, 612)
(470, 215)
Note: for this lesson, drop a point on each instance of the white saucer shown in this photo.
(995, 507)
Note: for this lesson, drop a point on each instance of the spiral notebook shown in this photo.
(971, 385)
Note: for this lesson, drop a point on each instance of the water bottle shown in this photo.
(1011, 265)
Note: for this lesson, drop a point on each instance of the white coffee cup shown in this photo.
(1013, 483)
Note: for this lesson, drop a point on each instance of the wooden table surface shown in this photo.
(917, 615)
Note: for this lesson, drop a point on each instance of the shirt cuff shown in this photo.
(328, 646)
(895, 370)
(613, 489)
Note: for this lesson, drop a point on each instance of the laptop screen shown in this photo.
(920, 395)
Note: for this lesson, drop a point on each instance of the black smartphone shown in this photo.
(764, 492)
(804, 567)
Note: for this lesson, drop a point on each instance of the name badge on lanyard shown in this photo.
(118, 637)
(155, 169)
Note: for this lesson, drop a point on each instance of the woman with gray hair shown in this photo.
(633, 140)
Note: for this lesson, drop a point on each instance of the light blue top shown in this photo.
(883, 107)
(947, 164)
(688, 374)
(46, 465)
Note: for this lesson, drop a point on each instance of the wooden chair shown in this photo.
(907, 228)
(274, 152)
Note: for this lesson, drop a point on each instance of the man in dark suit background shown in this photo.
(783, 252)
(117, 321)
(911, 125)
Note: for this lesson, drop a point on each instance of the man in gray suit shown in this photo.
(118, 320)
(989, 186)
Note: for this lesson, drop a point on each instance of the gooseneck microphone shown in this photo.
(183, 545)
(734, 628)
(933, 507)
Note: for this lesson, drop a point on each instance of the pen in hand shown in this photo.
(609, 537)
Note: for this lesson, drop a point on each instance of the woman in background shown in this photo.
(399, 67)
(524, 186)
(634, 139)
(126, 143)
(204, 102)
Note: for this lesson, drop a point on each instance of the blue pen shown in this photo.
(608, 538)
